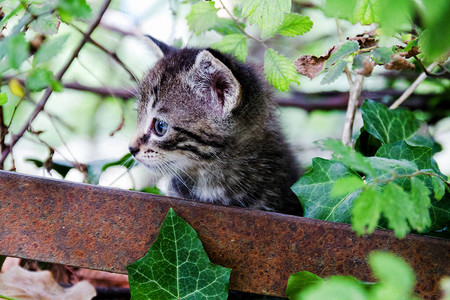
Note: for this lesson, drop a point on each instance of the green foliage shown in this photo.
(202, 17)
(177, 267)
(395, 281)
(40, 78)
(16, 49)
(394, 186)
(69, 9)
(267, 14)
(271, 17)
(127, 161)
(3, 98)
(49, 49)
(235, 44)
(279, 70)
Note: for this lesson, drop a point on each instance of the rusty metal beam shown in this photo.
(106, 229)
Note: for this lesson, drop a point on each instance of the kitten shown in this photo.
(208, 122)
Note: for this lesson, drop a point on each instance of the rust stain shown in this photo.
(106, 229)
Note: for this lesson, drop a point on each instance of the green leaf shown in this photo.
(295, 24)
(388, 125)
(152, 190)
(267, 14)
(46, 24)
(203, 16)
(227, 26)
(16, 50)
(235, 44)
(334, 72)
(347, 185)
(38, 79)
(348, 156)
(314, 191)
(299, 281)
(419, 219)
(340, 9)
(396, 16)
(438, 188)
(344, 50)
(397, 206)
(440, 213)
(68, 9)
(127, 161)
(435, 40)
(421, 156)
(3, 98)
(366, 211)
(61, 168)
(382, 55)
(366, 12)
(396, 278)
(366, 143)
(279, 70)
(336, 288)
(50, 48)
(177, 267)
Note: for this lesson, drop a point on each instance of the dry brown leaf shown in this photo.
(22, 284)
(367, 68)
(364, 41)
(398, 63)
(413, 52)
(310, 65)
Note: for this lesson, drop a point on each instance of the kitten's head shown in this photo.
(185, 109)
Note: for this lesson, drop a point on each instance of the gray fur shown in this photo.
(223, 144)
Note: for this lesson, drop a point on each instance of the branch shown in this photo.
(412, 87)
(355, 92)
(40, 106)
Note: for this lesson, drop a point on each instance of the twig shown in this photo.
(113, 55)
(355, 91)
(3, 132)
(429, 72)
(40, 106)
(239, 25)
(412, 87)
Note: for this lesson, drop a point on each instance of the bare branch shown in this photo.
(40, 106)
(355, 92)
(412, 87)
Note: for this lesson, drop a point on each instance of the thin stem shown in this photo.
(355, 92)
(429, 72)
(40, 106)
(239, 25)
(412, 87)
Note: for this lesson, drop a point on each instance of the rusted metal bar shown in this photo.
(106, 229)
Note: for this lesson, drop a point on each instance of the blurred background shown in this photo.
(84, 124)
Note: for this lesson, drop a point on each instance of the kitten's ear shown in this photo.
(159, 47)
(219, 82)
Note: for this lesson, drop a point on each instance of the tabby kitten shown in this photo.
(208, 122)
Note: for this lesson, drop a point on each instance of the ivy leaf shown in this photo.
(382, 55)
(344, 50)
(49, 49)
(396, 278)
(347, 185)
(69, 9)
(401, 150)
(314, 191)
(3, 98)
(202, 17)
(177, 267)
(440, 213)
(279, 70)
(127, 161)
(334, 72)
(235, 44)
(152, 190)
(267, 14)
(388, 125)
(366, 211)
(16, 50)
(299, 281)
(40, 78)
(295, 24)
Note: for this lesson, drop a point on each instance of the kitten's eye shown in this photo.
(160, 127)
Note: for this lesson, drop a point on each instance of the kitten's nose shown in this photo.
(133, 150)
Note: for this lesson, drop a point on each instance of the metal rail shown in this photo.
(106, 229)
